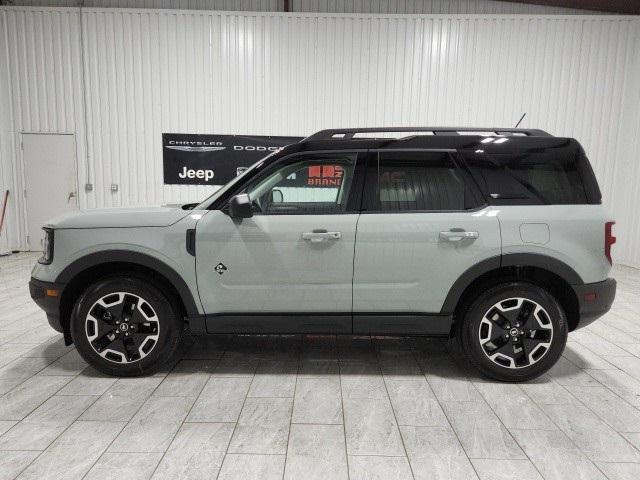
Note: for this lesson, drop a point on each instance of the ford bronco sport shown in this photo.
(496, 237)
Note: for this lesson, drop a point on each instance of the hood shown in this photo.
(120, 217)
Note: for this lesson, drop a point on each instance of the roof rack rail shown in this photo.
(350, 133)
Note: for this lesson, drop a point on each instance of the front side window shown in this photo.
(418, 181)
(313, 185)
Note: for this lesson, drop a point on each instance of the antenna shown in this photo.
(523, 115)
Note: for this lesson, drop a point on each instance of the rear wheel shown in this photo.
(125, 326)
(513, 331)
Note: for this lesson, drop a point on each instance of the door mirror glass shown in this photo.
(276, 196)
(240, 206)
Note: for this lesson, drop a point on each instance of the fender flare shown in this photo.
(544, 262)
(136, 258)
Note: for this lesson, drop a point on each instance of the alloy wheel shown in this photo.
(515, 332)
(122, 327)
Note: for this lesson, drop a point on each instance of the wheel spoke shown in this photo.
(130, 348)
(499, 319)
(499, 345)
(129, 305)
(104, 341)
(525, 312)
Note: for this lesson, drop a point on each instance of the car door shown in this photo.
(422, 226)
(288, 268)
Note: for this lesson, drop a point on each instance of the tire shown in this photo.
(531, 349)
(153, 330)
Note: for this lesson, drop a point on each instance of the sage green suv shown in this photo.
(496, 237)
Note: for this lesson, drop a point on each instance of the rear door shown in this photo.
(422, 226)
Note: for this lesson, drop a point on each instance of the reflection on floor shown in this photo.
(316, 407)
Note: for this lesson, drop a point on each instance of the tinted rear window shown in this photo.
(530, 178)
(418, 181)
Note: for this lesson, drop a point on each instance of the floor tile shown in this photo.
(379, 468)
(490, 469)
(316, 452)
(252, 467)
(153, 427)
(130, 466)
(371, 428)
(12, 463)
(414, 403)
(556, 456)
(221, 400)
(73, 454)
(592, 435)
(435, 453)
(196, 452)
(615, 411)
(187, 378)
(318, 400)
(481, 433)
(620, 471)
(513, 407)
(263, 426)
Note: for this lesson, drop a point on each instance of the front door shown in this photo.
(50, 180)
(421, 228)
(290, 266)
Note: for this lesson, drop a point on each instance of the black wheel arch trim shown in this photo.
(544, 262)
(136, 258)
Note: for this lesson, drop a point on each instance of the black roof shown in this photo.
(351, 133)
(499, 140)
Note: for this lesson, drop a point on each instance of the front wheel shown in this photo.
(125, 326)
(513, 332)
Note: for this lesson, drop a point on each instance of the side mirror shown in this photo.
(276, 196)
(240, 206)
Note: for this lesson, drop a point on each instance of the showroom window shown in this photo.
(418, 181)
(317, 185)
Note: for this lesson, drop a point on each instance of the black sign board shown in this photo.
(192, 159)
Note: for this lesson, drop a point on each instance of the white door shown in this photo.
(50, 180)
(294, 256)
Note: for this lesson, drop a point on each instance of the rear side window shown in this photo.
(529, 178)
(417, 181)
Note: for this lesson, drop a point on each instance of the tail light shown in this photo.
(609, 240)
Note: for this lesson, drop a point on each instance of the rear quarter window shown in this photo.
(529, 178)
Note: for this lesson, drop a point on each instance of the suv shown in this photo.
(496, 237)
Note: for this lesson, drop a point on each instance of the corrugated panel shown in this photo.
(148, 72)
(428, 7)
(44, 77)
(229, 5)
(329, 6)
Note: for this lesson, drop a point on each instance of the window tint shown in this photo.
(315, 185)
(418, 181)
(548, 177)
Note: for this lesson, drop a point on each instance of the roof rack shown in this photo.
(350, 133)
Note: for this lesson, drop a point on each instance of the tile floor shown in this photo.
(316, 407)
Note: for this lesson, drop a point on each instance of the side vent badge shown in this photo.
(220, 268)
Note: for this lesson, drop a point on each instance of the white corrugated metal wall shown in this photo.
(332, 6)
(153, 71)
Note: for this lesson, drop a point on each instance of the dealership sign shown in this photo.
(192, 159)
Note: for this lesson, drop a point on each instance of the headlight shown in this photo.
(47, 247)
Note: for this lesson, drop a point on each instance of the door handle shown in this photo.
(456, 235)
(71, 195)
(321, 236)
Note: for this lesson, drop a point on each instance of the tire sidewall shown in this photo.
(474, 314)
(168, 320)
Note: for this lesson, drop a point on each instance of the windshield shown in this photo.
(212, 198)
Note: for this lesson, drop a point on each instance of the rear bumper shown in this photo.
(47, 296)
(594, 300)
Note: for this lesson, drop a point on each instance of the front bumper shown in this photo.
(47, 296)
(594, 300)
